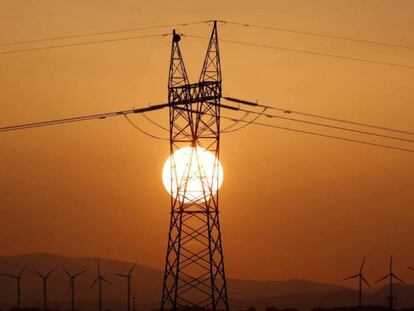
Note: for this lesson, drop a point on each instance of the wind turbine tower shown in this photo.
(18, 278)
(361, 279)
(45, 278)
(391, 276)
(128, 278)
(99, 280)
(72, 278)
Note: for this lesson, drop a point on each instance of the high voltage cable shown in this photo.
(83, 43)
(308, 52)
(324, 125)
(73, 36)
(98, 116)
(246, 123)
(366, 60)
(318, 116)
(322, 135)
(141, 130)
(155, 123)
(224, 22)
(230, 127)
(315, 34)
(160, 106)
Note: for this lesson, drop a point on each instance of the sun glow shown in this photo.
(192, 174)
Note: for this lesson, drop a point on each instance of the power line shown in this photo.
(111, 32)
(161, 106)
(325, 125)
(155, 123)
(224, 22)
(141, 130)
(323, 135)
(98, 116)
(273, 47)
(83, 43)
(246, 123)
(232, 125)
(315, 34)
(288, 111)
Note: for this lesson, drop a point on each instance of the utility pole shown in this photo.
(194, 268)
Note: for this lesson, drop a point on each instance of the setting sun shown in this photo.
(198, 174)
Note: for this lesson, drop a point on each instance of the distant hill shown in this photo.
(147, 287)
(338, 298)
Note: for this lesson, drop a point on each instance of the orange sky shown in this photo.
(292, 206)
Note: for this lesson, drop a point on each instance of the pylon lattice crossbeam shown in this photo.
(194, 268)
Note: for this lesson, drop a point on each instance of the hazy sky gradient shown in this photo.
(292, 206)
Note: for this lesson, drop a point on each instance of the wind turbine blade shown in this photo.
(8, 274)
(397, 278)
(99, 267)
(22, 271)
(67, 272)
(411, 268)
(391, 264)
(351, 277)
(38, 273)
(383, 278)
(365, 281)
(362, 265)
(50, 272)
(105, 280)
(122, 275)
(79, 273)
(94, 282)
(132, 269)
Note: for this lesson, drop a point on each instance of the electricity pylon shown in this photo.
(194, 269)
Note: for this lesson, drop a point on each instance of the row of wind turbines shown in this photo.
(390, 276)
(100, 279)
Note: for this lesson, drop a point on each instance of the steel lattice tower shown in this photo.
(194, 269)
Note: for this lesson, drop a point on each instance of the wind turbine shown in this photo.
(44, 277)
(361, 279)
(72, 278)
(128, 278)
(17, 277)
(391, 276)
(99, 279)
